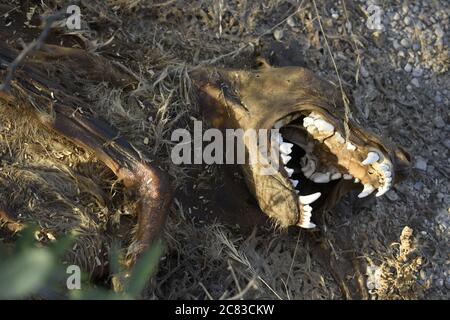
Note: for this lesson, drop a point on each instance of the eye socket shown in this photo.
(370, 171)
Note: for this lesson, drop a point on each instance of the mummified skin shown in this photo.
(45, 85)
(257, 99)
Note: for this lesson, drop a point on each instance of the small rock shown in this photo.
(409, 88)
(423, 275)
(278, 34)
(392, 195)
(396, 44)
(418, 186)
(421, 164)
(415, 82)
(405, 43)
(407, 21)
(416, 47)
(408, 67)
(447, 283)
(405, 8)
(364, 71)
(439, 122)
(439, 32)
(146, 140)
(447, 143)
(291, 22)
(335, 16)
(396, 16)
(440, 282)
(417, 72)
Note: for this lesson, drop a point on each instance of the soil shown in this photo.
(393, 247)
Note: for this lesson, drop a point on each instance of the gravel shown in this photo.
(421, 164)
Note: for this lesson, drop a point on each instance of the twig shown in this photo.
(355, 44)
(33, 46)
(344, 96)
(238, 50)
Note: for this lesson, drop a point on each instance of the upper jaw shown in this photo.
(361, 156)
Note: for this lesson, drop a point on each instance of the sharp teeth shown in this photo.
(371, 158)
(347, 176)
(278, 138)
(294, 182)
(339, 138)
(368, 189)
(307, 121)
(382, 191)
(336, 176)
(312, 164)
(320, 177)
(278, 124)
(309, 172)
(289, 171)
(307, 208)
(308, 225)
(323, 126)
(351, 146)
(285, 158)
(314, 115)
(311, 129)
(286, 147)
(310, 198)
(356, 180)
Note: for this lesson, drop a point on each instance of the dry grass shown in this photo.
(47, 179)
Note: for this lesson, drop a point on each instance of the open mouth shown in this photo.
(315, 156)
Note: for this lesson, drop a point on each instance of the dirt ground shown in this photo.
(399, 82)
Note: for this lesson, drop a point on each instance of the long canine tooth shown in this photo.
(285, 158)
(294, 182)
(289, 171)
(286, 147)
(336, 176)
(323, 126)
(319, 177)
(368, 189)
(347, 176)
(371, 158)
(351, 146)
(382, 191)
(310, 198)
(307, 225)
(356, 180)
(307, 121)
(339, 138)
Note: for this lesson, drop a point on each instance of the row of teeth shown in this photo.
(314, 123)
(304, 201)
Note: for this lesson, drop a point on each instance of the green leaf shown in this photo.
(25, 273)
(143, 270)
